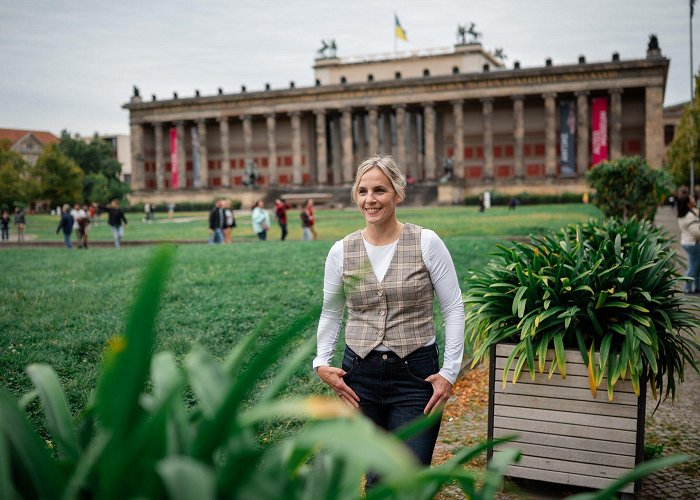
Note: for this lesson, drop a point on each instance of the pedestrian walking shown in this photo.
(261, 220)
(281, 208)
(20, 223)
(115, 218)
(5, 225)
(65, 224)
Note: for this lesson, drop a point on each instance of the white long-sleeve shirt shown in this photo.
(443, 275)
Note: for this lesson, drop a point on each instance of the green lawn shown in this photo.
(60, 307)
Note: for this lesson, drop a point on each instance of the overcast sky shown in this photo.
(71, 64)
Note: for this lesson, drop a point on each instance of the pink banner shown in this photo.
(599, 139)
(173, 157)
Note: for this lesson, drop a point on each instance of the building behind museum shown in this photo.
(511, 129)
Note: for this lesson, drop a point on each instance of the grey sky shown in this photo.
(72, 63)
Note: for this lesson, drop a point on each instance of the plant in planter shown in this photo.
(610, 291)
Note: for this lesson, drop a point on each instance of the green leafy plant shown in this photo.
(155, 429)
(608, 287)
(628, 187)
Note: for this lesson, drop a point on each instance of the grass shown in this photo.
(61, 307)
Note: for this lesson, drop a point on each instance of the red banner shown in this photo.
(173, 157)
(599, 139)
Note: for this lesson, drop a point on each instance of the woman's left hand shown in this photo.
(442, 390)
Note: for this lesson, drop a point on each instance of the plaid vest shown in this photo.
(398, 312)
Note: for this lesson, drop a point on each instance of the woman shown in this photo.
(690, 240)
(311, 220)
(65, 224)
(386, 274)
(261, 220)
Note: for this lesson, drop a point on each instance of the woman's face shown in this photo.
(376, 197)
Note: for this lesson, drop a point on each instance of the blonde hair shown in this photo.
(389, 167)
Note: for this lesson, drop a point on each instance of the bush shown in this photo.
(183, 206)
(628, 187)
(606, 286)
(525, 198)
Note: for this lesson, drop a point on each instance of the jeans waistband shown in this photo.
(421, 351)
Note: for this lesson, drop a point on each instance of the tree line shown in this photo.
(70, 171)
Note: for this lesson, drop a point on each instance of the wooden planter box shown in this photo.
(565, 435)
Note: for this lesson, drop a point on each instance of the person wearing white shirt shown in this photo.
(386, 276)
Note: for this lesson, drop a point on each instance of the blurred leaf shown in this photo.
(187, 479)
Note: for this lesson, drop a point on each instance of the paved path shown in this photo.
(676, 427)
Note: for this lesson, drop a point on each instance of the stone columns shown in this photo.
(518, 135)
(583, 146)
(413, 160)
(373, 117)
(336, 154)
(458, 113)
(321, 148)
(225, 155)
(181, 156)
(271, 149)
(400, 110)
(429, 136)
(361, 135)
(138, 177)
(296, 148)
(654, 125)
(616, 123)
(386, 133)
(160, 164)
(487, 108)
(550, 134)
(247, 137)
(203, 156)
(348, 160)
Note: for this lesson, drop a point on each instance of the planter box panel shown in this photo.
(584, 469)
(624, 387)
(604, 421)
(589, 407)
(591, 457)
(572, 443)
(553, 391)
(563, 478)
(518, 424)
(565, 434)
(576, 368)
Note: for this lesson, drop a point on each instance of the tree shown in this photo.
(13, 178)
(59, 179)
(682, 148)
(101, 182)
(628, 187)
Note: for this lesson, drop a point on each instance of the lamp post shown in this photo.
(692, 104)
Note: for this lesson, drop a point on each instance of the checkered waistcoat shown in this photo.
(398, 312)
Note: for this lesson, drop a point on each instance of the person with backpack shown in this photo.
(281, 208)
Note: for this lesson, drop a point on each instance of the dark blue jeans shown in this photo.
(393, 391)
(693, 267)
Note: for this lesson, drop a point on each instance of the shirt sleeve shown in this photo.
(444, 277)
(333, 307)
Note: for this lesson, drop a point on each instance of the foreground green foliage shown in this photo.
(606, 286)
(132, 442)
(628, 187)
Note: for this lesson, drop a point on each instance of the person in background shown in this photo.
(79, 224)
(309, 208)
(20, 223)
(306, 233)
(690, 239)
(115, 217)
(65, 224)
(171, 210)
(386, 275)
(83, 227)
(281, 208)
(229, 221)
(217, 222)
(261, 220)
(5, 225)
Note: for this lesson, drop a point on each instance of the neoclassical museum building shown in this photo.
(458, 120)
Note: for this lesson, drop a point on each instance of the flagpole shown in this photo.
(395, 37)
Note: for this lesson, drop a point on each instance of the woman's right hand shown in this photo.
(334, 378)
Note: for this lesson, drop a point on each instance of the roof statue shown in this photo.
(653, 43)
(499, 54)
(136, 92)
(327, 49)
(462, 33)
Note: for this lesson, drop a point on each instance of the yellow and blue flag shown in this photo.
(399, 32)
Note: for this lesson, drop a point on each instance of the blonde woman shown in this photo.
(386, 274)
